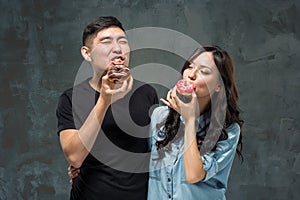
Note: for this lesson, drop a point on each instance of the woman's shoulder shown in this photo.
(158, 117)
(160, 112)
(233, 131)
(234, 127)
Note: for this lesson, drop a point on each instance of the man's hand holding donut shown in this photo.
(116, 82)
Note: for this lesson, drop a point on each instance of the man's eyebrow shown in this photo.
(122, 37)
(106, 38)
(111, 38)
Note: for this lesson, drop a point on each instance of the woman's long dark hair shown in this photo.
(226, 69)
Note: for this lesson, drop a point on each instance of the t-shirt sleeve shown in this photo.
(155, 97)
(217, 160)
(153, 100)
(64, 113)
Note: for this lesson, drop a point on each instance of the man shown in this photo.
(98, 120)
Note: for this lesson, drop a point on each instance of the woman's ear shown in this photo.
(218, 88)
(86, 53)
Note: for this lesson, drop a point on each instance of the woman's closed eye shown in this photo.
(201, 69)
(205, 71)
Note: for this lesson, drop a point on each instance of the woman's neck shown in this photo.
(203, 104)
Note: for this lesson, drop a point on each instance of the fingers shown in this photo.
(105, 82)
(105, 78)
(130, 84)
(165, 102)
(73, 169)
(169, 95)
(73, 172)
(175, 102)
(172, 100)
(125, 87)
(175, 99)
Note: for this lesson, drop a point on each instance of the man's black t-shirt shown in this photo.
(116, 167)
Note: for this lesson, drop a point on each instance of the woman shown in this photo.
(193, 144)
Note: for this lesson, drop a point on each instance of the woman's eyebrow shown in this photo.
(205, 66)
(201, 66)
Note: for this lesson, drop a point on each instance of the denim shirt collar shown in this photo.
(199, 123)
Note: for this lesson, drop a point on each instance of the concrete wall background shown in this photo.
(40, 42)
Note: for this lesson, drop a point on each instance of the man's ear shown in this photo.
(86, 53)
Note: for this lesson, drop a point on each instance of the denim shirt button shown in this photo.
(170, 196)
(169, 179)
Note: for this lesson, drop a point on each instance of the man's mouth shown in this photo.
(118, 60)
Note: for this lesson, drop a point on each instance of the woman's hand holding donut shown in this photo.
(188, 110)
(172, 101)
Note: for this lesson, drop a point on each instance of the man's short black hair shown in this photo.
(99, 24)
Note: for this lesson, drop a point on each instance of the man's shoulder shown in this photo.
(67, 92)
(144, 88)
(78, 87)
(138, 84)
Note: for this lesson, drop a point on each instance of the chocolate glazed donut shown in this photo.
(118, 73)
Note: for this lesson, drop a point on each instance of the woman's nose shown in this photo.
(192, 74)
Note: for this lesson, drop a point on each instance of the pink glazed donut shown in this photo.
(184, 90)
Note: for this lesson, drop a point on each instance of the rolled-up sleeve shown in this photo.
(217, 160)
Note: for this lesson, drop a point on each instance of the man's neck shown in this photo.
(95, 83)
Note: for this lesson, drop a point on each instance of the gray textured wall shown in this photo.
(40, 56)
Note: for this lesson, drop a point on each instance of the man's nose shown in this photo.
(117, 48)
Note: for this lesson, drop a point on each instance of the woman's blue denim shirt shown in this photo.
(167, 177)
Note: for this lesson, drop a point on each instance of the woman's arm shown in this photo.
(193, 166)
